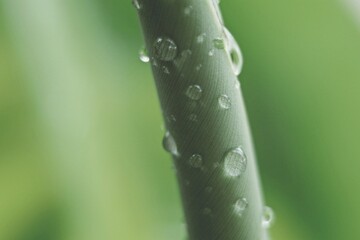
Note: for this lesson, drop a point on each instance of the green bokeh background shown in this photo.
(81, 128)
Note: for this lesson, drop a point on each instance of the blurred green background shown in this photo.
(81, 128)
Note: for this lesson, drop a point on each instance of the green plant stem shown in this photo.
(202, 126)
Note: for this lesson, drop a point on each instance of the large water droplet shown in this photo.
(194, 92)
(195, 160)
(235, 162)
(165, 49)
(224, 102)
(169, 144)
(267, 217)
(234, 52)
(137, 4)
(143, 55)
(219, 43)
(240, 206)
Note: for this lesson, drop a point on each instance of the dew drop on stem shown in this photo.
(235, 162)
(194, 92)
(164, 49)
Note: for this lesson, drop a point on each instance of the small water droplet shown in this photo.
(211, 52)
(154, 62)
(137, 4)
(169, 144)
(208, 189)
(165, 49)
(219, 43)
(171, 118)
(188, 10)
(206, 211)
(267, 217)
(224, 102)
(194, 92)
(200, 39)
(180, 61)
(198, 67)
(235, 162)
(216, 165)
(165, 70)
(195, 160)
(234, 52)
(240, 206)
(187, 182)
(143, 55)
(193, 117)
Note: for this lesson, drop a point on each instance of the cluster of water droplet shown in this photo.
(164, 49)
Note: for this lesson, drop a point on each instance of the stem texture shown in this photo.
(205, 115)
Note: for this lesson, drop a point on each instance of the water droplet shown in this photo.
(169, 144)
(267, 217)
(187, 182)
(154, 62)
(200, 39)
(194, 92)
(219, 43)
(240, 206)
(237, 84)
(216, 165)
(193, 117)
(188, 10)
(180, 61)
(165, 70)
(143, 55)
(171, 118)
(198, 67)
(208, 189)
(136, 4)
(165, 49)
(211, 52)
(206, 211)
(234, 52)
(195, 160)
(224, 102)
(235, 162)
